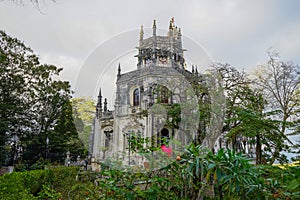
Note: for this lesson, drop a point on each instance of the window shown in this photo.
(164, 137)
(136, 97)
(106, 143)
(108, 137)
(164, 96)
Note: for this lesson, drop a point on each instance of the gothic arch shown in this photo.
(164, 136)
(108, 137)
(136, 97)
(164, 94)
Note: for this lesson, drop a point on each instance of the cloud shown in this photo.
(69, 65)
(239, 32)
(287, 43)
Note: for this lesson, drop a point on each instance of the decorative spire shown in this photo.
(99, 105)
(100, 96)
(105, 105)
(171, 26)
(179, 32)
(196, 70)
(193, 71)
(154, 27)
(119, 70)
(141, 34)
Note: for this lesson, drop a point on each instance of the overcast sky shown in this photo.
(83, 35)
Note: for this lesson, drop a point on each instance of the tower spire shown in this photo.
(154, 42)
(100, 96)
(141, 35)
(154, 27)
(171, 26)
(105, 105)
(99, 105)
(119, 70)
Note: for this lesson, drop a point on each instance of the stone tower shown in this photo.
(143, 97)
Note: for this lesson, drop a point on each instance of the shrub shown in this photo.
(37, 183)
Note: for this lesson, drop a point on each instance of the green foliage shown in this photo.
(38, 184)
(39, 164)
(173, 113)
(279, 82)
(34, 105)
(48, 193)
(198, 174)
(280, 183)
(225, 174)
(83, 114)
(65, 136)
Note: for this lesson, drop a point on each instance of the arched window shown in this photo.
(108, 137)
(136, 97)
(164, 95)
(164, 137)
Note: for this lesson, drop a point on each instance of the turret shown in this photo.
(154, 27)
(99, 105)
(163, 51)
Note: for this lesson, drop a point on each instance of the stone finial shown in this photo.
(100, 99)
(99, 105)
(154, 27)
(141, 33)
(119, 70)
(172, 21)
(100, 96)
(105, 105)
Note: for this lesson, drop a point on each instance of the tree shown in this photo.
(296, 129)
(246, 123)
(259, 128)
(83, 114)
(65, 136)
(15, 93)
(31, 100)
(279, 81)
(211, 103)
(236, 88)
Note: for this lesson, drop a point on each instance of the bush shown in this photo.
(37, 183)
(224, 175)
(12, 187)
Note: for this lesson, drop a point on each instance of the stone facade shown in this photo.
(142, 97)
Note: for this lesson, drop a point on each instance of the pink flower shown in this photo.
(167, 150)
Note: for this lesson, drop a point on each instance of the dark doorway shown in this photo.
(164, 136)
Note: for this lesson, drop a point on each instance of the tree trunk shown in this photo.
(220, 192)
(258, 150)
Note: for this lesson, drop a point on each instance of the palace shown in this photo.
(144, 98)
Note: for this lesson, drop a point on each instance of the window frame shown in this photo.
(136, 97)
